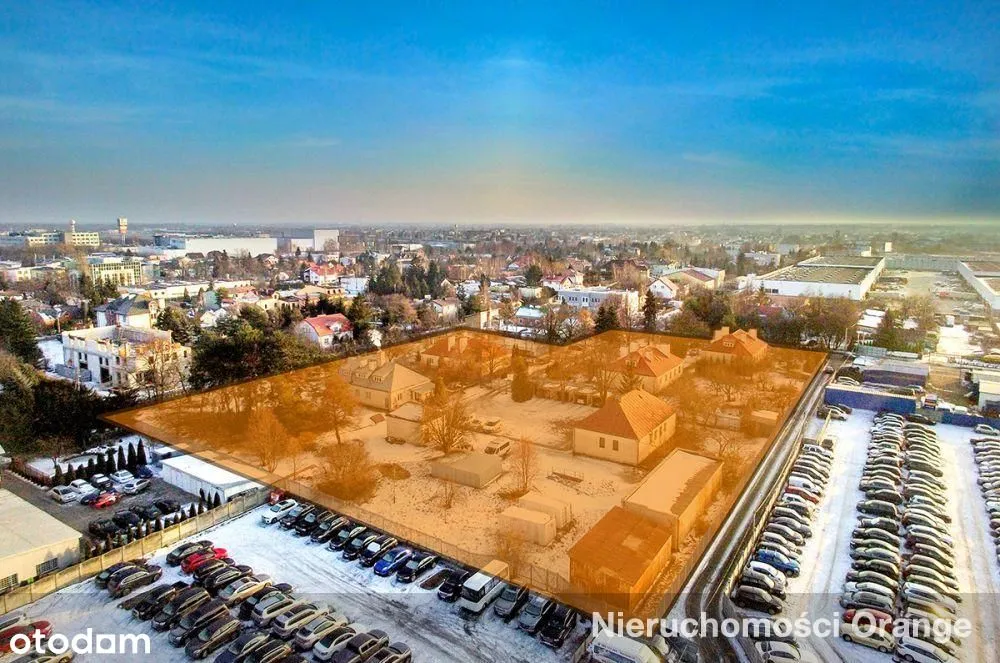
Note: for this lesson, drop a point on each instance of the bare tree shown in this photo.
(445, 427)
(525, 463)
(510, 547)
(349, 473)
(266, 438)
(162, 369)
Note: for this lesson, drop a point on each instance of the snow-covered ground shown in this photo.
(434, 629)
(45, 466)
(955, 341)
(52, 351)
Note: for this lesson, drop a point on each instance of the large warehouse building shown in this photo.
(198, 477)
(824, 276)
(984, 277)
(32, 543)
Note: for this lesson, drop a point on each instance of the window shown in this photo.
(8, 583)
(47, 566)
(614, 445)
(600, 443)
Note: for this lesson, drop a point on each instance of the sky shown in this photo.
(494, 112)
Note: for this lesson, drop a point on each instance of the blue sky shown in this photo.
(264, 112)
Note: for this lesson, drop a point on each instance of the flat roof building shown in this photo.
(824, 276)
(984, 277)
(32, 543)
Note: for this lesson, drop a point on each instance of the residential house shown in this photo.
(121, 356)
(626, 429)
(385, 386)
(664, 289)
(653, 366)
(738, 345)
(698, 277)
(323, 274)
(130, 310)
(325, 330)
(476, 355)
(447, 309)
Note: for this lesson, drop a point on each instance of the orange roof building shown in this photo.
(740, 344)
(654, 367)
(626, 429)
(324, 330)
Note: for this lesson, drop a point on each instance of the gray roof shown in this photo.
(17, 537)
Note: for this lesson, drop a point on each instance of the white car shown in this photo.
(278, 511)
(919, 651)
(986, 429)
(121, 476)
(63, 494)
(773, 651)
(82, 486)
(865, 635)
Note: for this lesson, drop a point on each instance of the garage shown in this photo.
(32, 543)
(198, 477)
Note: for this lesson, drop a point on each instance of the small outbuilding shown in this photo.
(403, 423)
(533, 526)
(476, 470)
(32, 543)
(560, 511)
(200, 477)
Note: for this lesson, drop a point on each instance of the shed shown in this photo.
(897, 373)
(32, 543)
(403, 423)
(560, 511)
(475, 469)
(533, 526)
(196, 476)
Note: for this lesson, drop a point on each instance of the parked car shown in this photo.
(778, 561)
(185, 601)
(155, 599)
(344, 535)
(309, 522)
(135, 486)
(394, 652)
(101, 482)
(452, 586)
(285, 624)
(986, 429)
(271, 651)
(375, 548)
(121, 477)
(271, 607)
(244, 645)
(243, 587)
(361, 647)
(777, 651)
(327, 528)
(63, 494)
(318, 628)
(248, 605)
(83, 487)
(277, 511)
(392, 561)
(418, 564)
(875, 638)
(534, 612)
(217, 633)
(138, 577)
(754, 598)
(354, 547)
(300, 510)
(192, 562)
(126, 519)
(333, 642)
(510, 601)
(167, 506)
(177, 555)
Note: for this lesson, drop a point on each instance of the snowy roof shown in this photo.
(200, 469)
(17, 539)
(674, 483)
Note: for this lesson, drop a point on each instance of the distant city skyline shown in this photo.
(563, 113)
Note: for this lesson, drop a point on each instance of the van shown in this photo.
(609, 647)
(498, 447)
(484, 586)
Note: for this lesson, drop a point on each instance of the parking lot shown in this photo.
(435, 630)
(826, 557)
(79, 516)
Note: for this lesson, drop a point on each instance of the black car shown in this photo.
(344, 534)
(146, 511)
(270, 651)
(166, 506)
(126, 519)
(354, 547)
(207, 569)
(184, 602)
(122, 585)
(217, 581)
(289, 521)
(327, 528)
(376, 548)
(452, 586)
(918, 418)
(416, 566)
(220, 631)
(195, 620)
(101, 580)
(310, 521)
(151, 601)
(558, 627)
(242, 647)
(177, 555)
(103, 528)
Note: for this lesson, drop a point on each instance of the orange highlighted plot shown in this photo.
(596, 472)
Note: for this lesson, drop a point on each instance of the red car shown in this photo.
(803, 493)
(867, 616)
(42, 627)
(106, 499)
(192, 562)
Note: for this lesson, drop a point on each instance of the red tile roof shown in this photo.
(632, 415)
(326, 325)
(739, 343)
(652, 361)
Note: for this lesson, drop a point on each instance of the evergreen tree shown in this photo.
(70, 473)
(112, 465)
(132, 458)
(521, 388)
(192, 511)
(533, 275)
(360, 315)
(607, 319)
(217, 502)
(57, 476)
(17, 333)
(649, 310)
(122, 462)
(91, 467)
(141, 454)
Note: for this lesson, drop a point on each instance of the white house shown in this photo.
(325, 330)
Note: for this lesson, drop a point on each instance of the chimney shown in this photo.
(719, 333)
(752, 332)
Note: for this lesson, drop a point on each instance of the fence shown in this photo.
(90, 567)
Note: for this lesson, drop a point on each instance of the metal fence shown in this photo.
(170, 535)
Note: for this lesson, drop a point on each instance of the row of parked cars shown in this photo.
(132, 519)
(102, 490)
(387, 556)
(763, 583)
(986, 450)
(16, 623)
(902, 573)
(227, 610)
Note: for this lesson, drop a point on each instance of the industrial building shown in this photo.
(32, 543)
(234, 246)
(120, 270)
(823, 276)
(983, 276)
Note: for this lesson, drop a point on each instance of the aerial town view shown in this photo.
(502, 333)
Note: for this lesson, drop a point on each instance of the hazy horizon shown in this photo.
(501, 114)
